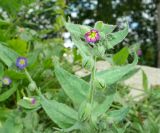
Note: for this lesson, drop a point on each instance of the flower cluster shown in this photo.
(92, 36)
(21, 62)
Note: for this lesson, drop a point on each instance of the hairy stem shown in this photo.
(92, 86)
(31, 80)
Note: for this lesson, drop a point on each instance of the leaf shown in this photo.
(13, 124)
(105, 28)
(78, 30)
(13, 74)
(117, 37)
(18, 45)
(5, 95)
(145, 81)
(7, 55)
(32, 57)
(13, 6)
(61, 114)
(1, 70)
(121, 57)
(87, 59)
(4, 23)
(76, 88)
(112, 75)
(117, 115)
(102, 108)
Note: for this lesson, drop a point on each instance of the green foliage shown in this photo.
(145, 81)
(5, 95)
(105, 105)
(105, 28)
(121, 57)
(112, 75)
(13, 6)
(77, 89)
(117, 115)
(117, 37)
(7, 55)
(60, 113)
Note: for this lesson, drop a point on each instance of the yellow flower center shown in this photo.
(92, 35)
(22, 62)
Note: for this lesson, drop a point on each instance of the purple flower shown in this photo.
(139, 52)
(92, 36)
(6, 81)
(21, 62)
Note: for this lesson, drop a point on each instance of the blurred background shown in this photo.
(45, 17)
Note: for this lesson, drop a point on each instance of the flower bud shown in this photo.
(32, 86)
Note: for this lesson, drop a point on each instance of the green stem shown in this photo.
(31, 80)
(92, 86)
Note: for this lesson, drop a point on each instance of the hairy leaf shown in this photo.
(76, 88)
(5, 95)
(7, 55)
(112, 75)
(117, 37)
(61, 114)
(121, 57)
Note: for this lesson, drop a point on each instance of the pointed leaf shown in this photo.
(112, 75)
(145, 80)
(105, 105)
(77, 29)
(7, 55)
(118, 115)
(76, 88)
(117, 37)
(105, 28)
(1, 70)
(121, 57)
(5, 95)
(61, 114)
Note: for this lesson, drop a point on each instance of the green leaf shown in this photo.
(18, 45)
(112, 75)
(4, 23)
(61, 114)
(105, 28)
(1, 70)
(5, 95)
(145, 81)
(32, 57)
(117, 115)
(105, 105)
(7, 55)
(13, 74)
(117, 37)
(78, 30)
(121, 57)
(13, 124)
(13, 6)
(76, 88)
(85, 52)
